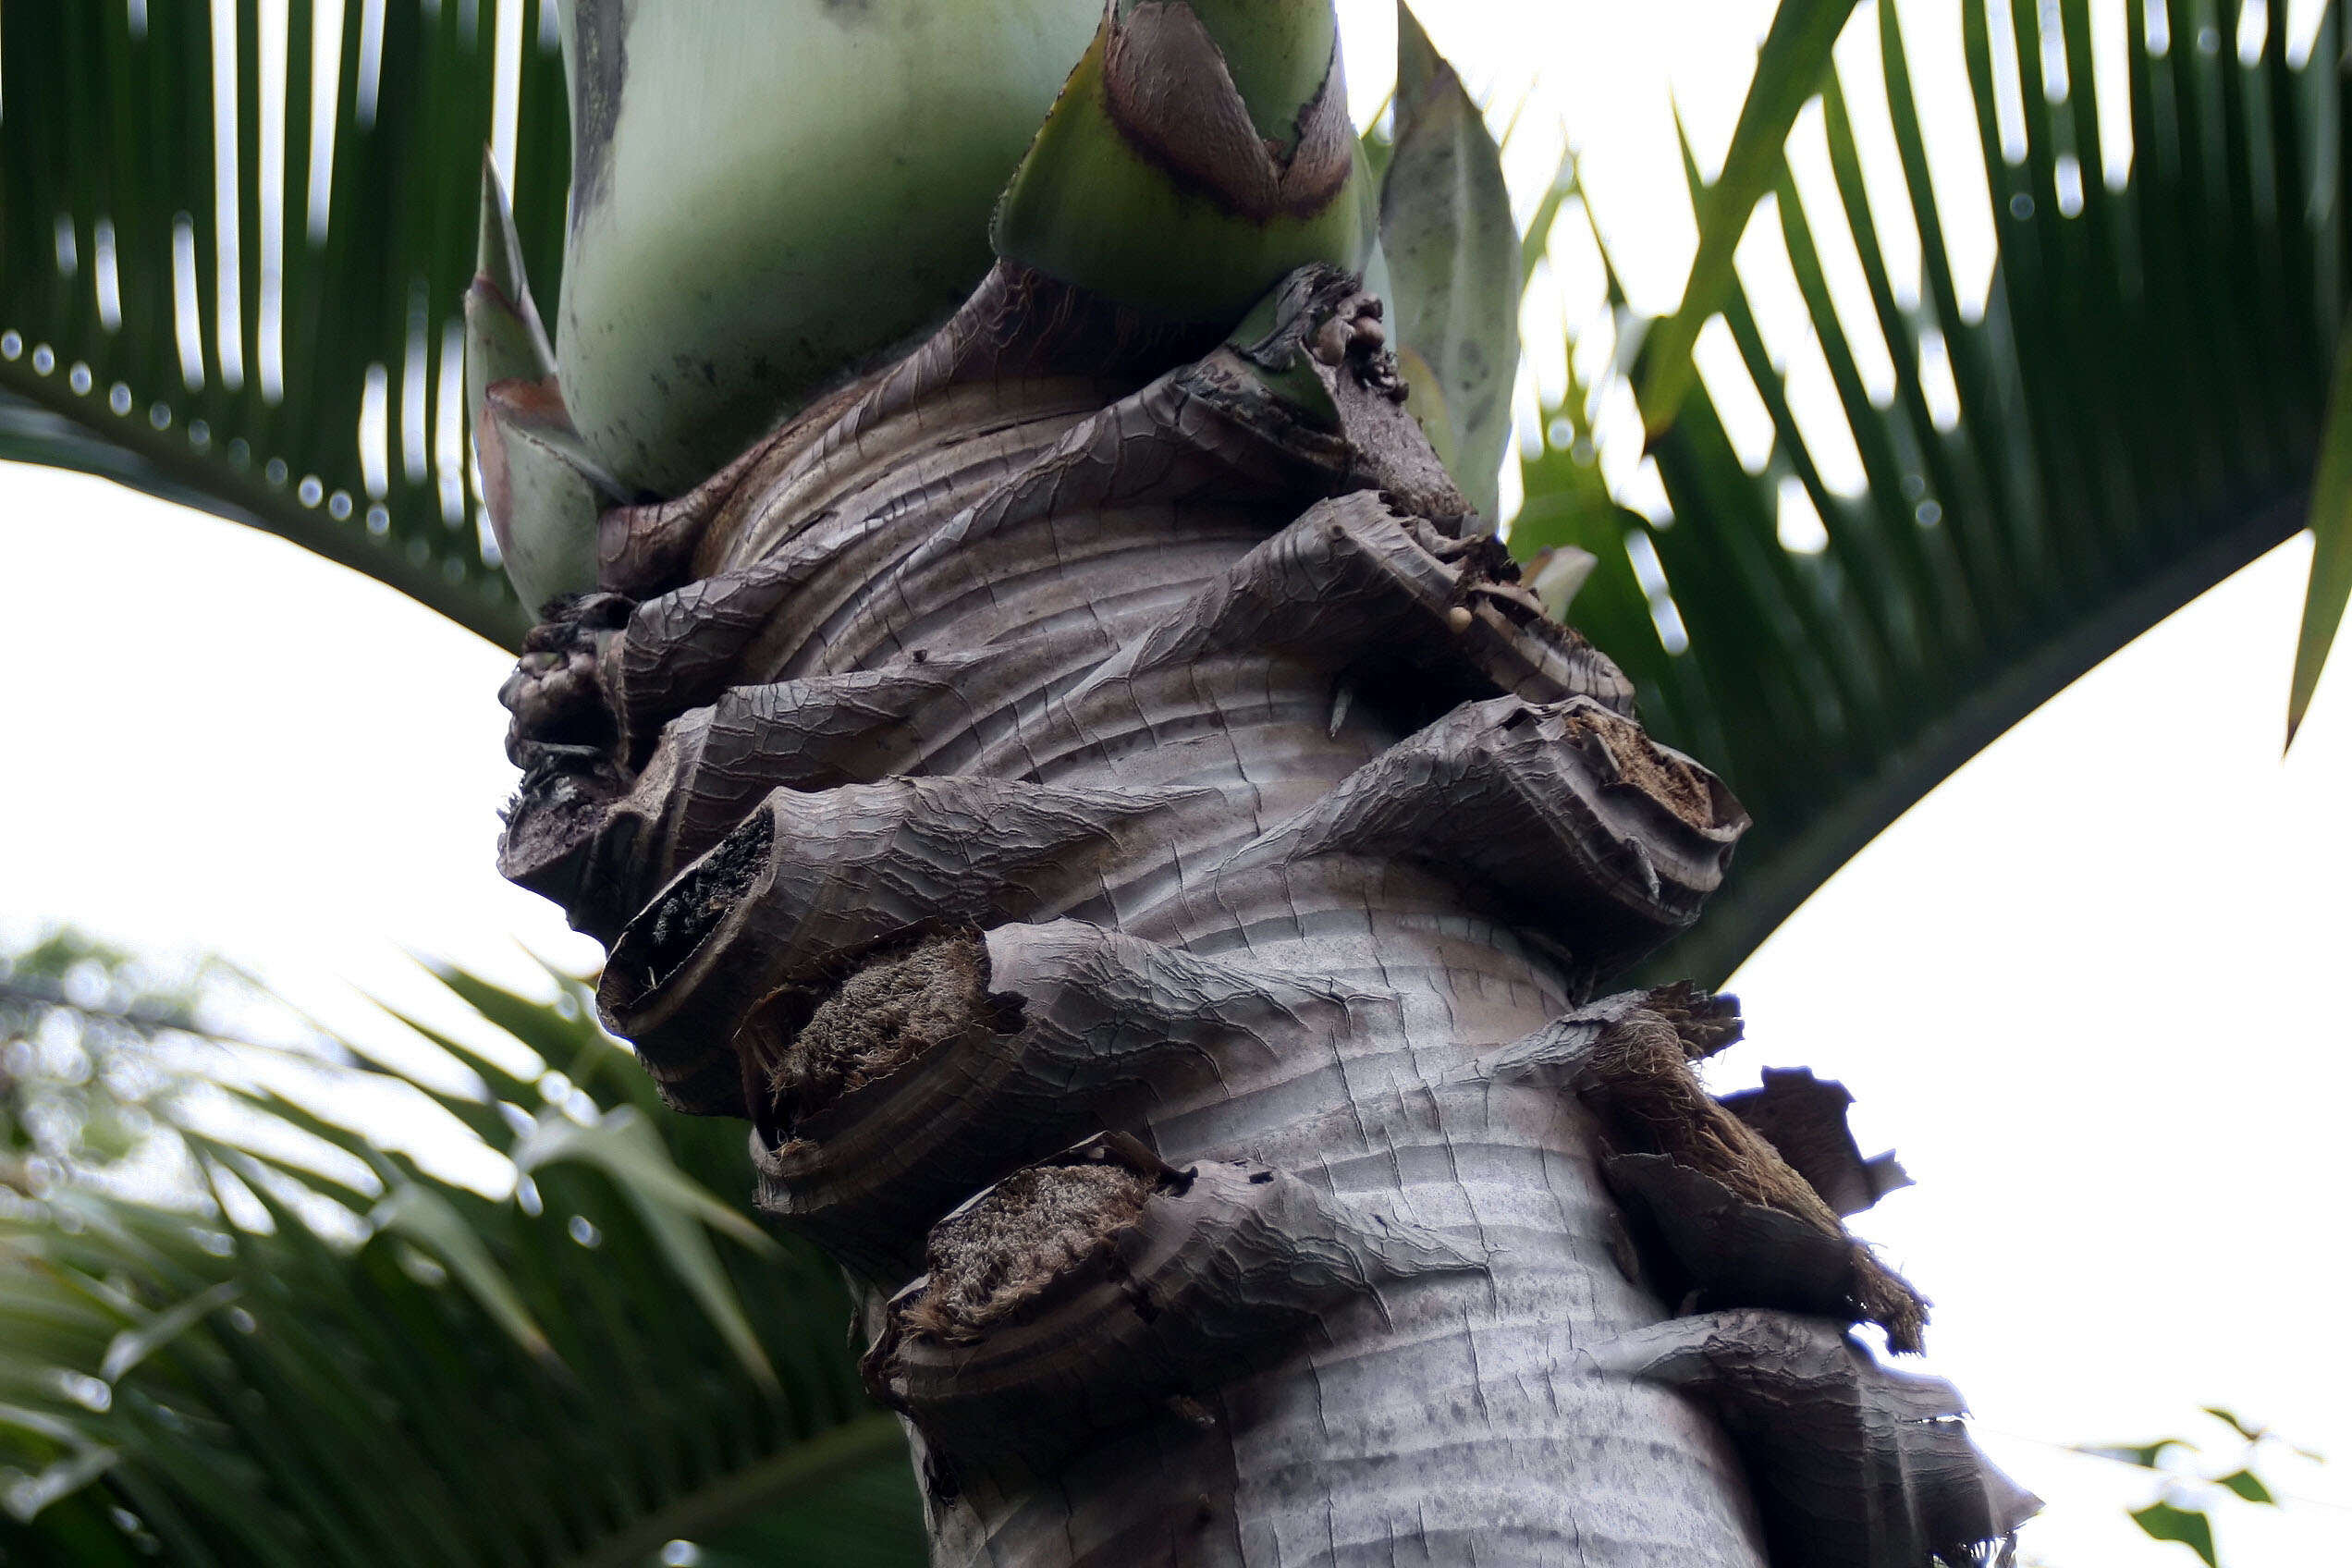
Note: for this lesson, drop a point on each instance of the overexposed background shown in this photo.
(2085, 988)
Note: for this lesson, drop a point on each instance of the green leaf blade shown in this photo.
(1454, 265)
(2330, 524)
(1789, 69)
(2247, 1485)
(2123, 415)
(419, 1215)
(2190, 1527)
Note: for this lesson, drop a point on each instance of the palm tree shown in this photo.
(1092, 795)
(1088, 792)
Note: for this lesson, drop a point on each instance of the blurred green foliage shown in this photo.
(236, 1329)
(2192, 1478)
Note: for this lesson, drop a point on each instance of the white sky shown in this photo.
(2085, 989)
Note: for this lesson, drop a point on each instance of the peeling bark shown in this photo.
(1100, 1287)
(1856, 1465)
(1072, 1026)
(1142, 864)
(1803, 1118)
(1741, 1225)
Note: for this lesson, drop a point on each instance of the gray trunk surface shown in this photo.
(1144, 869)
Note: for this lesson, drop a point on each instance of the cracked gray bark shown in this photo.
(1142, 868)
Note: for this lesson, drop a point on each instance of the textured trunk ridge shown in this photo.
(1081, 798)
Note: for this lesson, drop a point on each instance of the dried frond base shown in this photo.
(1854, 1465)
(1742, 1225)
(840, 872)
(1031, 1231)
(694, 905)
(960, 1056)
(882, 1017)
(1089, 1291)
(1804, 1117)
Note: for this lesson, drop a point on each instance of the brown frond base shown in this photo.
(1737, 1224)
(1803, 1118)
(1014, 1244)
(883, 1017)
(1856, 1465)
(1095, 1288)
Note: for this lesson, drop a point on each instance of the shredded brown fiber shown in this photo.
(881, 1018)
(1032, 1229)
(1667, 780)
(1639, 1079)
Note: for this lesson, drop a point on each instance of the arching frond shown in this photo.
(234, 240)
(2002, 483)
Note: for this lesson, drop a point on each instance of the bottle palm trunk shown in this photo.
(1084, 767)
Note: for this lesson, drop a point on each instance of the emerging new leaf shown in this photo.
(505, 339)
(541, 491)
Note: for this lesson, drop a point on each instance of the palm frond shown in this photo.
(2131, 416)
(1791, 60)
(234, 240)
(2331, 582)
(361, 1362)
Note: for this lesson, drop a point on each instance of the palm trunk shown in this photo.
(1056, 769)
